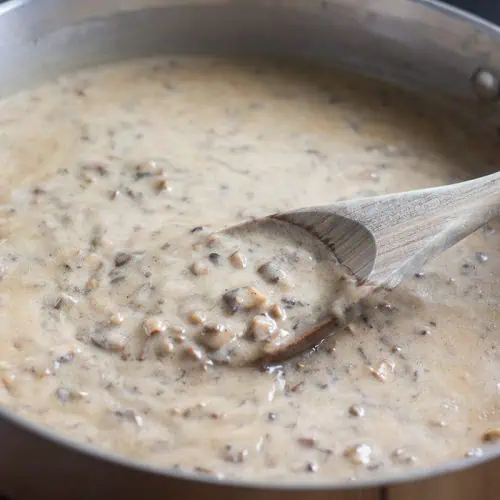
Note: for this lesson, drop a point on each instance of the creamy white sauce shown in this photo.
(107, 284)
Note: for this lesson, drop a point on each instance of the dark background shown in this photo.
(489, 9)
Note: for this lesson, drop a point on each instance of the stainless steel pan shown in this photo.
(424, 45)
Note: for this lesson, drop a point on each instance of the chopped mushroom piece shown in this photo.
(213, 240)
(39, 370)
(307, 442)
(384, 370)
(122, 258)
(9, 381)
(215, 336)
(110, 341)
(165, 346)
(277, 312)
(254, 298)
(238, 260)
(162, 184)
(492, 435)
(197, 317)
(232, 300)
(66, 395)
(277, 340)
(215, 258)
(194, 353)
(245, 298)
(356, 411)
(131, 416)
(199, 268)
(272, 273)
(359, 454)
(262, 327)
(65, 301)
(153, 326)
(116, 319)
(92, 284)
(147, 168)
(312, 467)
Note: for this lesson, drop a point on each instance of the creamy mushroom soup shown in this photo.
(130, 319)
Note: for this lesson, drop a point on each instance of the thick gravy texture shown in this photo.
(124, 314)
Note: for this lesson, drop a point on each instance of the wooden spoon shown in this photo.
(384, 239)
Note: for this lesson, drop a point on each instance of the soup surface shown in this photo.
(127, 320)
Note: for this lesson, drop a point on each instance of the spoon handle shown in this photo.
(384, 239)
(478, 199)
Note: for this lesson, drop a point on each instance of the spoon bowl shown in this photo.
(380, 241)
